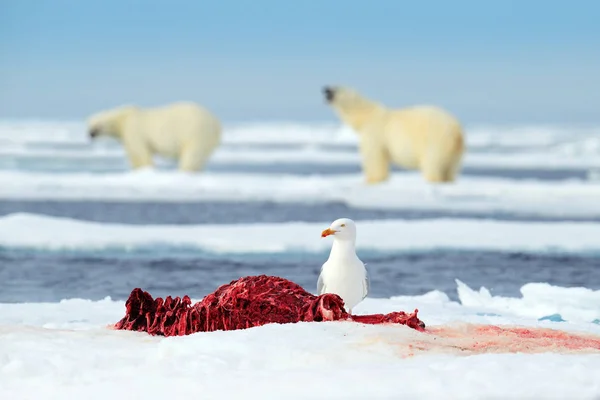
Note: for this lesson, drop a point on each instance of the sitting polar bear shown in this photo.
(182, 131)
(419, 137)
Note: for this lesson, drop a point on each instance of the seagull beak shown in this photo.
(327, 232)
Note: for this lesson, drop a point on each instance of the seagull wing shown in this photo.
(320, 283)
(366, 283)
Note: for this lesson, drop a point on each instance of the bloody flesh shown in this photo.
(244, 303)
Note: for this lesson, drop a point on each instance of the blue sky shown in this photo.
(488, 61)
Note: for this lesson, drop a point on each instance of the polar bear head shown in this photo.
(109, 122)
(352, 108)
(342, 97)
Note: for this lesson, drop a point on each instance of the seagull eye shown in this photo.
(343, 225)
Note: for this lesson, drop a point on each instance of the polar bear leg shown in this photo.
(453, 170)
(435, 170)
(433, 175)
(194, 158)
(455, 158)
(139, 155)
(436, 167)
(375, 161)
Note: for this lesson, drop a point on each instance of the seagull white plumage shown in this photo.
(344, 273)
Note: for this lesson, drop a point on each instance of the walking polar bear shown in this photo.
(183, 131)
(426, 138)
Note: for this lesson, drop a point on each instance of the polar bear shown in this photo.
(425, 138)
(184, 131)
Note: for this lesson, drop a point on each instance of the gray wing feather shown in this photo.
(320, 285)
(367, 284)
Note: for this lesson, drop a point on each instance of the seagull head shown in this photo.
(343, 229)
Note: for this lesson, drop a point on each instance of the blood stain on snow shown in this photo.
(473, 339)
(258, 300)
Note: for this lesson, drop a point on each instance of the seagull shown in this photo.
(343, 273)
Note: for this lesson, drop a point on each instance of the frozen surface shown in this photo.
(45, 160)
(77, 356)
(322, 156)
(403, 191)
(569, 139)
(545, 147)
(35, 231)
(64, 350)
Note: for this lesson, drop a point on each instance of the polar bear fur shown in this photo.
(425, 138)
(183, 131)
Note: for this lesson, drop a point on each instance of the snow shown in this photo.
(65, 351)
(32, 151)
(313, 133)
(404, 191)
(42, 232)
(584, 158)
(540, 300)
(510, 147)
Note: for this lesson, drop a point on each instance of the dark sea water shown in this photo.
(240, 212)
(41, 276)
